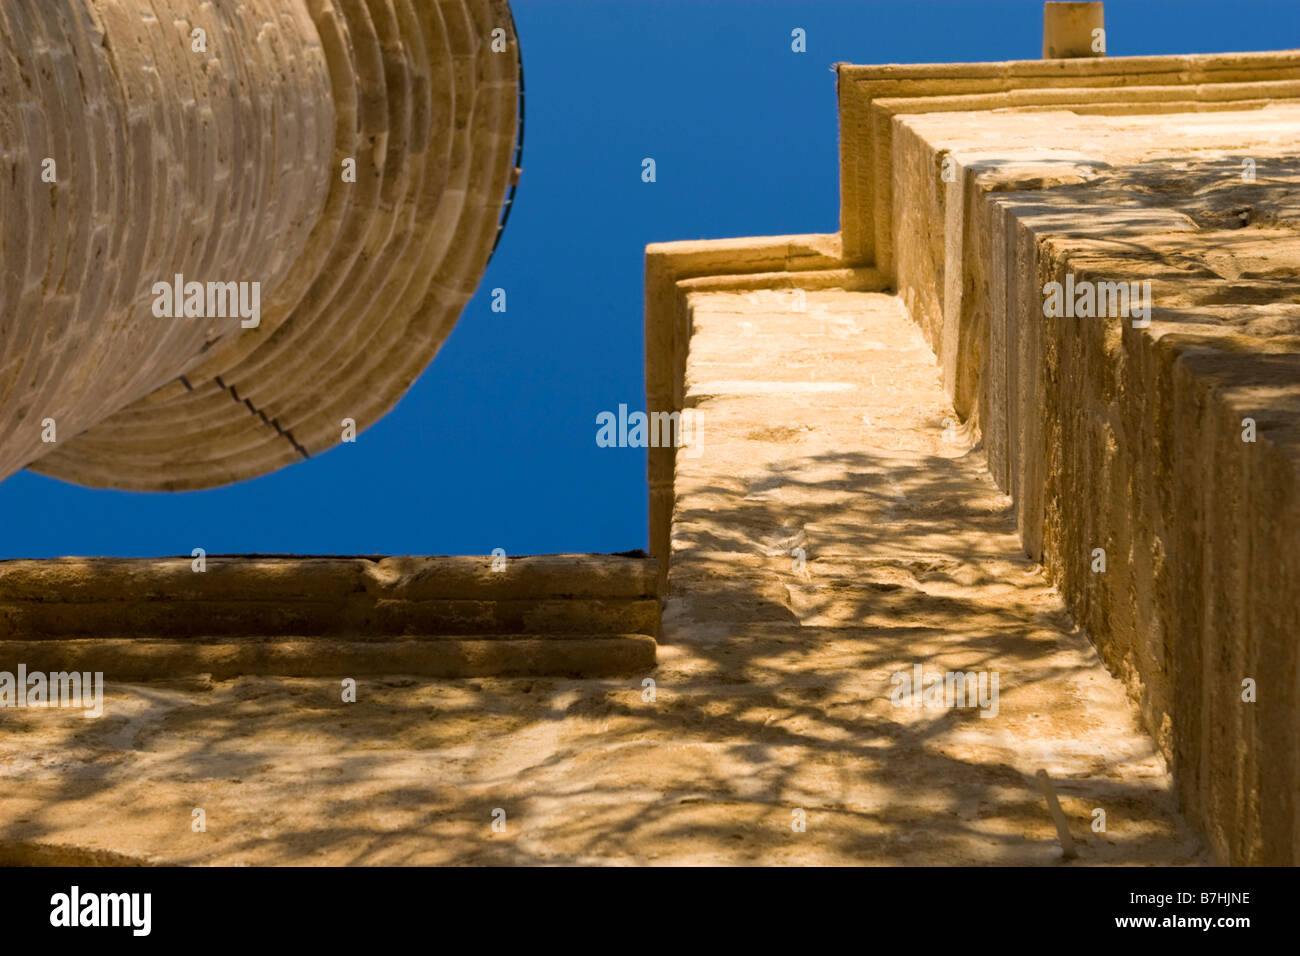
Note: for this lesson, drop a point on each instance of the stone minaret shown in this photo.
(341, 163)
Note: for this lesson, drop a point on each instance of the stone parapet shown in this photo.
(302, 616)
(1174, 446)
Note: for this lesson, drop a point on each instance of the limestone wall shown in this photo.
(1130, 439)
(967, 187)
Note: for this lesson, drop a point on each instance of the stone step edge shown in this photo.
(124, 660)
(290, 577)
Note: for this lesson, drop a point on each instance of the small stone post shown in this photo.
(1069, 30)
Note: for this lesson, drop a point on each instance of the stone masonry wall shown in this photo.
(1131, 439)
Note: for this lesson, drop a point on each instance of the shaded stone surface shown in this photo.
(1130, 439)
(887, 426)
(772, 692)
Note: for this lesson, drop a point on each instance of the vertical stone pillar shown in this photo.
(1068, 29)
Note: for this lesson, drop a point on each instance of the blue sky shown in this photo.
(495, 446)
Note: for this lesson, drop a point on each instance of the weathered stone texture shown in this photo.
(771, 695)
(1130, 439)
(226, 165)
(444, 616)
(968, 187)
(836, 512)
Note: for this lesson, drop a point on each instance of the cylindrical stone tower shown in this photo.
(227, 227)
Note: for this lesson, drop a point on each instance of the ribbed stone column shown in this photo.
(220, 156)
